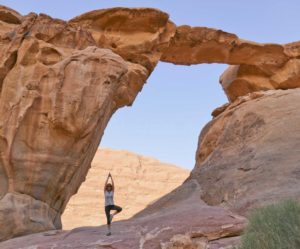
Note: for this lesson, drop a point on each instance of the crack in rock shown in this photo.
(146, 236)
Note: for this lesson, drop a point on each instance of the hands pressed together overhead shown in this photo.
(112, 181)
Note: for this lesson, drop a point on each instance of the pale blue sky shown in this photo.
(176, 102)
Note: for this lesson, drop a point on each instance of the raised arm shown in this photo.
(106, 181)
(112, 182)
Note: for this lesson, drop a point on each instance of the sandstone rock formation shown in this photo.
(256, 66)
(195, 45)
(48, 117)
(168, 227)
(248, 156)
(139, 181)
(244, 79)
(59, 89)
(138, 35)
(61, 81)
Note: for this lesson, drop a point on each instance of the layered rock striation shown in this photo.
(61, 81)
(59, 88)
(139, 181)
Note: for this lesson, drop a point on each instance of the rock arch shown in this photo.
(61, 81)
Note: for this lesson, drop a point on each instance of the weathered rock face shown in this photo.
(137, 35)
(58, 91)
(248, 156)
(195, 45)
(243, 79)
(61, 81)
(9, 27)
(247, 77)
(139, 181)
(162, 226)
(52, 119)
(257, 66)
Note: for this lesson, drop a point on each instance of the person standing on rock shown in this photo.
(109, 189)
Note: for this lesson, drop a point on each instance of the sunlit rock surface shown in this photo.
(180, 219)
(58, 91)
(61, 81)
(248, 156)
(139, 181)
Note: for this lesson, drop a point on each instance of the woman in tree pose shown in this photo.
(109, 189)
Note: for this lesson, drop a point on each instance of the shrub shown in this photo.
(274, 227)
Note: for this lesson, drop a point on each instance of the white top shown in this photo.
(109, 198)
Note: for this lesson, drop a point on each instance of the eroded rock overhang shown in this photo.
(61, 81)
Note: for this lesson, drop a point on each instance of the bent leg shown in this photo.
(117, 209)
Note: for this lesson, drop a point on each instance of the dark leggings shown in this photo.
(108, 209)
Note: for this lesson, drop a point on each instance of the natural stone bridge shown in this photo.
(61, 81)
